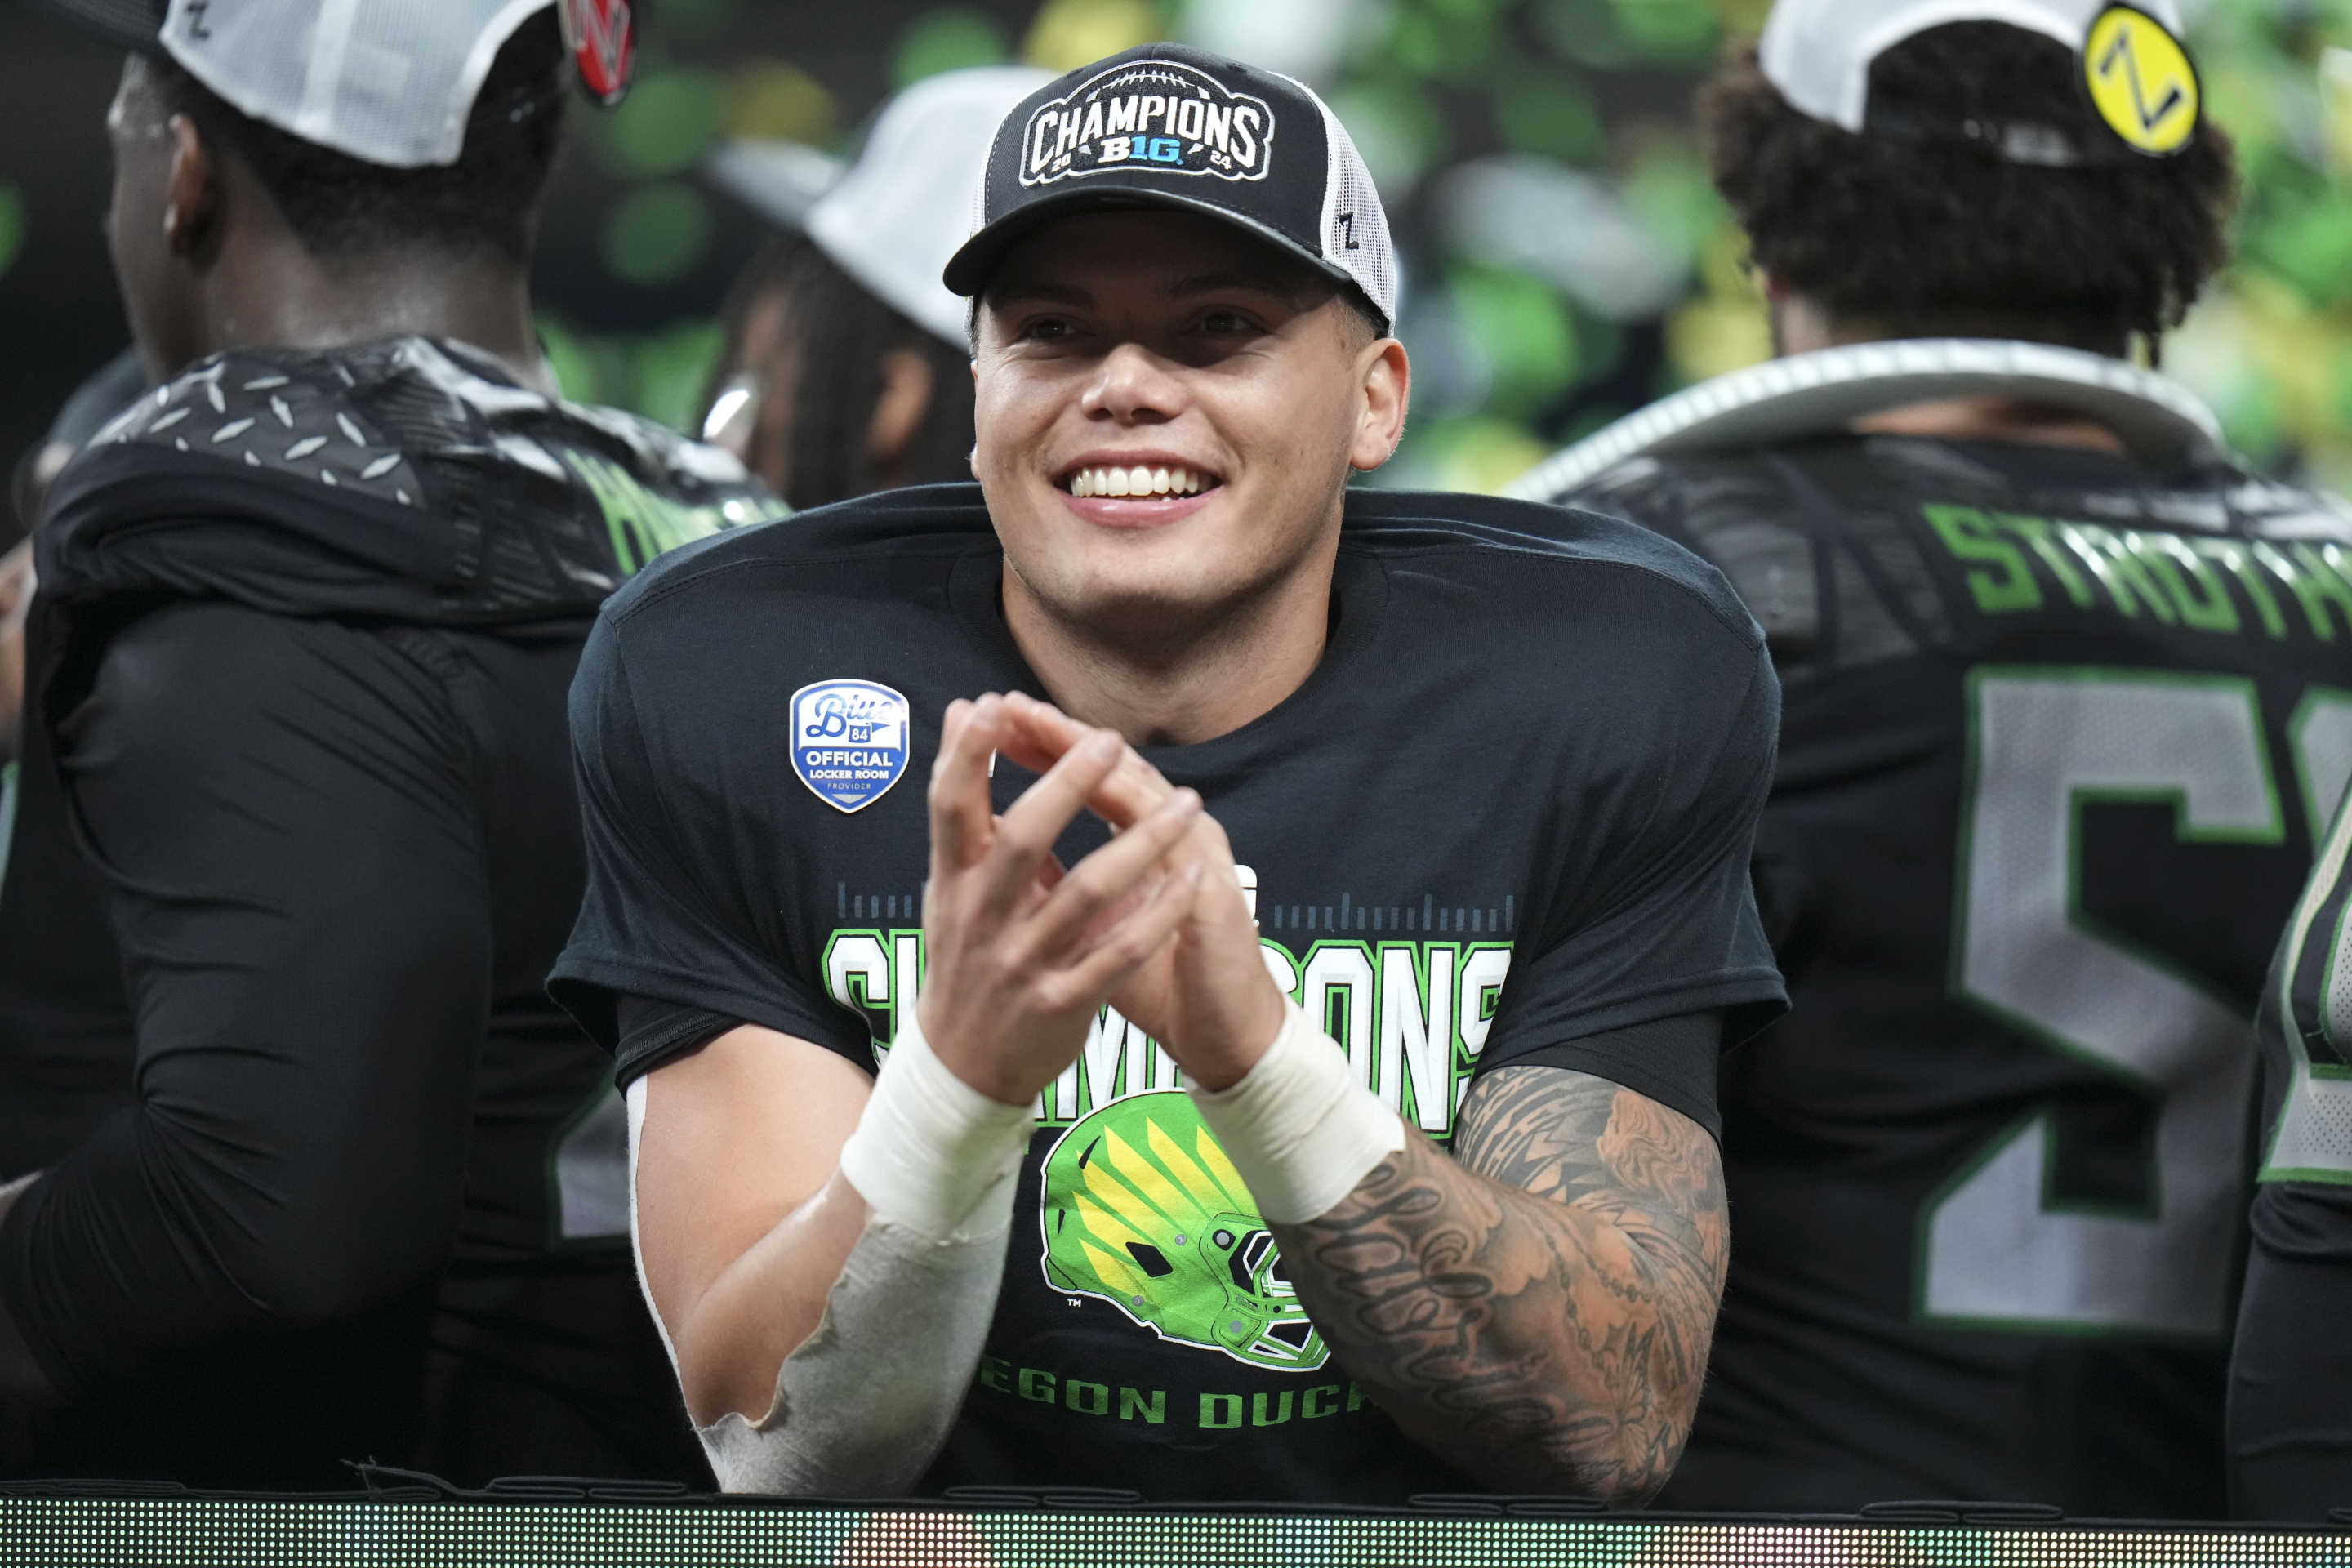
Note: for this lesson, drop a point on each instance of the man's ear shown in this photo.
(1388, 390)
(192, 194)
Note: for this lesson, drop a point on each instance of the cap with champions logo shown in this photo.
(1169, 126)
(2135, 70)
(386, 81)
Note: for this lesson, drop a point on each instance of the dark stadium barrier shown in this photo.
(413, 1523)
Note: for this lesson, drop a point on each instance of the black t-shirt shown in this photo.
(2056, 729)
(2290, 1417)
(1510, 811)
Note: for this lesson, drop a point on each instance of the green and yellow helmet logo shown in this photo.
(1144, 1211)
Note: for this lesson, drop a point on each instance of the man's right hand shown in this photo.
(1020, 956)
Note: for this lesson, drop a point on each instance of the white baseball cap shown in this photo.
(1819, 53)
(387, 81)
(894, 216)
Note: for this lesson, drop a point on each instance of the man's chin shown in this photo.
(1131, 601)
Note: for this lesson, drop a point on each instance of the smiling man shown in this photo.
(1493, 768)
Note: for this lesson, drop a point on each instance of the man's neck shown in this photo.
(1994, 419)
(1184, 685)
(1800, 326)
(282, 300)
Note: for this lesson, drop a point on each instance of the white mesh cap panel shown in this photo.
(1353, 216)
(388, 81)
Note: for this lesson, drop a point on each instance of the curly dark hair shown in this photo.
(341, 206)
(1926, 232)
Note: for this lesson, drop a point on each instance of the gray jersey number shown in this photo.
(2000, 1250)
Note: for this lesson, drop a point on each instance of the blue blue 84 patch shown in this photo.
(850, 740)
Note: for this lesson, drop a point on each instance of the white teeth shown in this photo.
(1139, 480)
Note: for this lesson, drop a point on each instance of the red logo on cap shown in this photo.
(602, 37)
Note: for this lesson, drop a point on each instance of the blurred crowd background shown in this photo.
(1567, 260)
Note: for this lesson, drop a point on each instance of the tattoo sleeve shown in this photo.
(1538, 1308)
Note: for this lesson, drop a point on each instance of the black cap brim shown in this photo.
(969, 270)
(130, 24)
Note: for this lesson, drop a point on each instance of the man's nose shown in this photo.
(1133, 385)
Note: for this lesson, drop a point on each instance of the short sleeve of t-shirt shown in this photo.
(1668, 925)
(656, 922)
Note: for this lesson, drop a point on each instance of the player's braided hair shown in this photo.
(341, 206)
(1933, 235)
(826, 366)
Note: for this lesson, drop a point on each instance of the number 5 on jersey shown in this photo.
(1997, 1249)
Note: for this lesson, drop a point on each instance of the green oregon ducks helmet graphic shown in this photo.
(1143, 1210)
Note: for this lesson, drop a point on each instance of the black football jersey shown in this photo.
(294, 852)
(2059, 731)
(1509, 813)
(2290, 1419)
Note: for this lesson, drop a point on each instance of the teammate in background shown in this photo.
(105, 393)
(93, 403)
(2290, 1419)
(2065, 695)
(306, 616)
(847, 363)
(1492, 769)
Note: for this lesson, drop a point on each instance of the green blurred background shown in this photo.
(1566, 261)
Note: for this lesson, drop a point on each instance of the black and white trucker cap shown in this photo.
(1169, 126)
(2134, 70)
(387, 81)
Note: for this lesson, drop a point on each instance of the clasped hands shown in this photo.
(1022, 953)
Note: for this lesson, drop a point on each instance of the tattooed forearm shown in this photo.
(1538, 1308)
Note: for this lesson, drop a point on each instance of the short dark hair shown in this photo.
(1367, 315)
(1931, 233)
(826, 365)
(341, 206)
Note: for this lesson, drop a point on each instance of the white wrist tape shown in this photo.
(933, 1153)
(1298, 1127)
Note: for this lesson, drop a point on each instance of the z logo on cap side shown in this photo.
(2141, 80)
(1149, 114)
(850, 740)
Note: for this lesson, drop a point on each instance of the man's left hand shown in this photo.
(1208, 998)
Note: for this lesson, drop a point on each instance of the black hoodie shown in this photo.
(298, 670)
